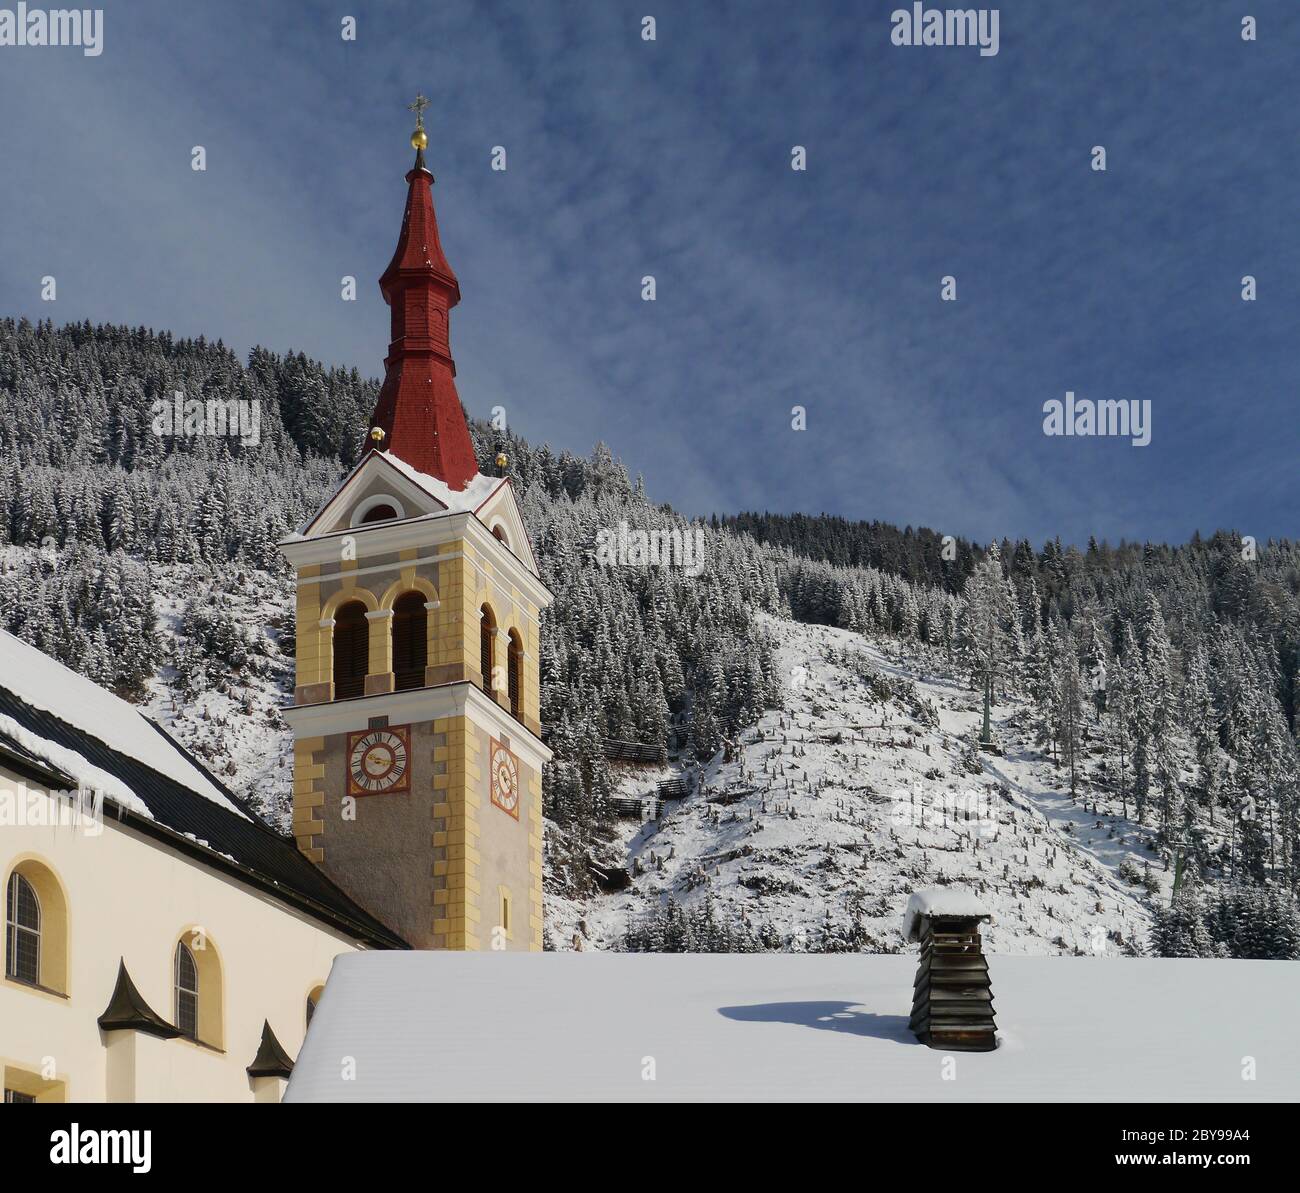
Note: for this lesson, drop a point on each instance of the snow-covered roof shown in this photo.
(48, 685)
(457, 501)
(72, 765)
(938, 902)
(488, 1026)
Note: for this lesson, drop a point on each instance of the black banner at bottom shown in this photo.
(1082, 1139)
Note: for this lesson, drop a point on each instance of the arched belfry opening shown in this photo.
(351, 650)
(516, 675)
(487, 635)
(410, 641)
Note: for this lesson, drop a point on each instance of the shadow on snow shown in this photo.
(826, 1016)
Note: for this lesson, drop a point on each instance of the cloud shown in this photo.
(775, 288)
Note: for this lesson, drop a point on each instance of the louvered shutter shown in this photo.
(410, 647)
(351, 651)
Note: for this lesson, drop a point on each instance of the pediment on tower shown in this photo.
(501, 514)
(384, 489)
(378, 489)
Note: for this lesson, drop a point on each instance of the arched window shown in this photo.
(351, 650)
(378, 507)
(516, 675)
(487, 634)
(499, 533)
(378, 513)
(187, 992)
(410, 644)
(36, 927)
(22, 931)
(197, 985)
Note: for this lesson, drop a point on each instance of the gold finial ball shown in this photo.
(376, 433)
(502, 460)
(419, 139)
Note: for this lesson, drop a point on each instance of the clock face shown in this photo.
(378, 761)
(505, 779)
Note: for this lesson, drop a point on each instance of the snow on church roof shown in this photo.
(487, 1026)
(457, 501)
(40, 681)
(70, 764)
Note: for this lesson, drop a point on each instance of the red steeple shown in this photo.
(419, 410)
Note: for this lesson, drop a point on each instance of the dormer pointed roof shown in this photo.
(271, 1059)
(128, 1011)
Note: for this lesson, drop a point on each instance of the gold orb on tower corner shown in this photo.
(419, 139)
(503, 461)
(376, 433)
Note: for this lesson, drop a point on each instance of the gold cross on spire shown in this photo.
(419, 138)
(418, 108)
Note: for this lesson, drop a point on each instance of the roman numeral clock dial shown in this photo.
(505, 778)
(379, 761)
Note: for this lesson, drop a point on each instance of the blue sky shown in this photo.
(775, 288)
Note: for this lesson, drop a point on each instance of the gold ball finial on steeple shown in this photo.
(419, 138)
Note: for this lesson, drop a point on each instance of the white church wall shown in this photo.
(130, 897)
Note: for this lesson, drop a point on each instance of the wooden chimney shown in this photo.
(952, 999)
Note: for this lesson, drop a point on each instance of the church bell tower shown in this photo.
(417, 782)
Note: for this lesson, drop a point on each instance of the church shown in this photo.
(162, 941)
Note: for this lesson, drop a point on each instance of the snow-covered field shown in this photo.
(636, 1027)
(835, 808)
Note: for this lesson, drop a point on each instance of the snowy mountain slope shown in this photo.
(858, 793)
(229, 714)
(832, 810)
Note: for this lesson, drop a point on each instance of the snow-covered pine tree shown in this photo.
(1202, 725)
(1069, 706)
(990, 631)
